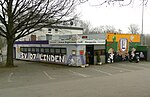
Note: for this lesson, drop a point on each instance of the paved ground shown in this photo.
(32, 79)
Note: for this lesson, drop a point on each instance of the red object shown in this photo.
(81, 52)
(84, 36)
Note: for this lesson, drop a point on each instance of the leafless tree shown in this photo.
(23, 17)
(109, 28)
(99, 29)
(115, 2)
(2, 42)
(119, 31)
(104, 29)
(86, 25)
(134, 29)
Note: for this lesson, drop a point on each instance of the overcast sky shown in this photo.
(119, 17)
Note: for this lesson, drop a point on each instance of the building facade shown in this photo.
(50, 33)
(75, 48)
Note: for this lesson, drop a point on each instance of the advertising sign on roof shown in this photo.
(77, 42)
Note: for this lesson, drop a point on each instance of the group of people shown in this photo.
(132, 56)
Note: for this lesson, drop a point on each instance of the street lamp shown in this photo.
(142, 34)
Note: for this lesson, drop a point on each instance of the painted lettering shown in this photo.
(63, 59)
(52, 58)
(44, 57)
(32, 56)
(57, 58)
(24, 55)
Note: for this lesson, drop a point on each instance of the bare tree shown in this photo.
(134, 29)
(109, 28)
(2, 42)
(86, 25)
(23, 17)
(104, 29)
(119, 31)
(99, 29)
(113, 2)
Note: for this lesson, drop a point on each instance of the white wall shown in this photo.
(41, 34)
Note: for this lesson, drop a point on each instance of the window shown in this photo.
(42, 50)
(57, 50)
(21, 49)
(25, 49)
(46, 50)
(33, 50)
(63, 51)
(52, 50)
(29, 49)
(37, 50)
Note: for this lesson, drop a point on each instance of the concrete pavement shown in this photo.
(111, 80)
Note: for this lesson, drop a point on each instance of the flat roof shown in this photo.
(32, 42)
(66, 27)
(77, 42)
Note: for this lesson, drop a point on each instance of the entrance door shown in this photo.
(14, 52)
(90, 54)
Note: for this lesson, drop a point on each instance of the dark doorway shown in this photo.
(14, 52)
(90, 54)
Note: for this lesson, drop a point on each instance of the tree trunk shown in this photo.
(10, 62)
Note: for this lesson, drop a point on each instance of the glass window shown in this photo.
(33, 50)
(57, 51)
(63, 51)
(42, 50)
(37, 50)
(21, 49)
(25, 49)
(46, 50)
(29, 49)
(51, 50)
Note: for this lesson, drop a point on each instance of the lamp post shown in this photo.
(142, 33)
